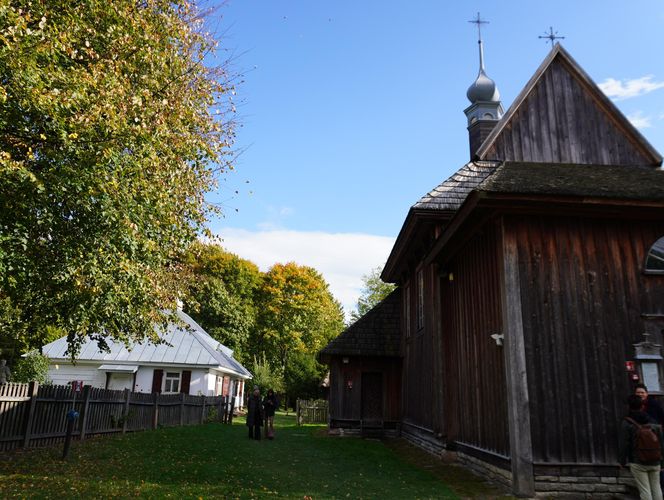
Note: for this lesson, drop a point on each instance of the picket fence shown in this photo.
(35, 415)
(311, 411)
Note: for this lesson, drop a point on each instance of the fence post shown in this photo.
(155, 411)
(32, 392)
(203, 411)
(181, 409)
(84, 411)
(297, 411)
(125, 413)
(220, 414)
(230, 411)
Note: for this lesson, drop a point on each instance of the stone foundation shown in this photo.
(585, 487)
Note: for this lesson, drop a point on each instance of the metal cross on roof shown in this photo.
(551, 35)
(479, 21)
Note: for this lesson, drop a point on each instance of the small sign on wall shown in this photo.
(77, 385)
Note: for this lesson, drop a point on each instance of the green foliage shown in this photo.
(108, 142)
(303, 376)
(222, 294)
(297, 313)
(373, 291)
(33, 367)
(265, 376)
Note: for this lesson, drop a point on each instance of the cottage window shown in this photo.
(172, 382)
(655, 259)
(420, 299)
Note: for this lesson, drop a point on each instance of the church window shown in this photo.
(655, 259)
(407, 310)
(420, 299)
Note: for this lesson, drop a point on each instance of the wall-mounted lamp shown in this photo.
(349, 384)
(344, 360)
(498, 337)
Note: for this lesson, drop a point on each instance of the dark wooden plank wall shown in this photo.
(583, 296)
(561, 122)
(474, 386)
(346, 404)
(419, 382)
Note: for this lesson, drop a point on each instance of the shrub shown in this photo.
(33, 366)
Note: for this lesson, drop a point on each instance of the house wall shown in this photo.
(585, 302)
(474, 385)
(346, 403)
(64, 373)
(202, 380)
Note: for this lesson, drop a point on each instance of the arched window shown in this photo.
(655, 259)
(488, 116)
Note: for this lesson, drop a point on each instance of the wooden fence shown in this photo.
(311, 411)
(34, 415)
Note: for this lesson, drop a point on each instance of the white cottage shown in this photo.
(189, 361)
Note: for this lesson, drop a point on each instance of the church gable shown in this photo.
(561, 116)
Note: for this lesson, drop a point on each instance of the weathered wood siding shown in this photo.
(346, 404)
(583, 296)
(474, 383)
(419, 381)
(560, 121)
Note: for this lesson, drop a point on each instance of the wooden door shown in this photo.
(372, 396)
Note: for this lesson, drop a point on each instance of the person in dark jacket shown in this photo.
(646, 474)
(270, 405)
(255, 414)
(649, 405)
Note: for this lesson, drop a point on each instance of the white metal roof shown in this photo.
(190, 346)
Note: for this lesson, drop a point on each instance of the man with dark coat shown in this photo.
(255, 414)
(645, 472)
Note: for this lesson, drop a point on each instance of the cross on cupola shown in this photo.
(485, 109)
(551, 36)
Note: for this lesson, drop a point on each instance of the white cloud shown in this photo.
(639, 121)
(619, 90)
(342, 258)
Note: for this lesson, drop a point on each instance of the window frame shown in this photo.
(646, 270)
(419, 278)
(171, 378)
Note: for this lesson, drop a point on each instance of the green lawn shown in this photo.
(219, 461)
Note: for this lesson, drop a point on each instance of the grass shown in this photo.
(219, 461)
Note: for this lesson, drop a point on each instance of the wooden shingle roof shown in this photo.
(596, 181)
(377, 333)
(451, 193)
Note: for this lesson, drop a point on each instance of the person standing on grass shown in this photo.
(270, 405)
(654, 410)
(255, 414)
(641, 446)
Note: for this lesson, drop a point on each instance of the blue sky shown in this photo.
(352, 110)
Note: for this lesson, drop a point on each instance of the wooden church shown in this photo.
(530, 294)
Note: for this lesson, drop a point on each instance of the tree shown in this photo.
(303, 376)
(296, 313)
(222, 294)
(373, 291)
(108, 142)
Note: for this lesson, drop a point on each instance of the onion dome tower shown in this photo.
(485, 108)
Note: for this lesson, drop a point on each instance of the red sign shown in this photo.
(629, 366)
(77, 385)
